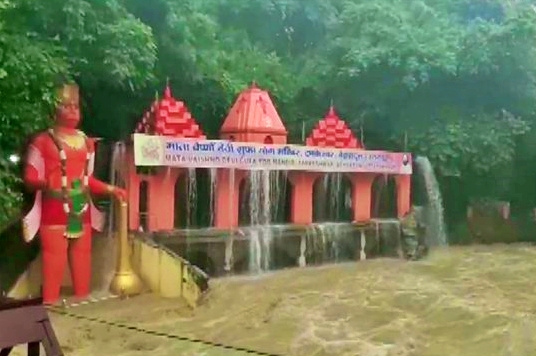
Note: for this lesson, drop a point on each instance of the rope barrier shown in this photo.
(160, 334)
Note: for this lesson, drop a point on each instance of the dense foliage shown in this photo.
(451, 79)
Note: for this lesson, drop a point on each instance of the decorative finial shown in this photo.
(254, 85)
(167, 90)
(331, 109)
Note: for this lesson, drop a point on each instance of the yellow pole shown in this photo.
(125, 281)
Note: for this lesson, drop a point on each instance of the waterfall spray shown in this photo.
(434, 220)
(255, 219)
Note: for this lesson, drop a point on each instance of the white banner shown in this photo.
(152, 150)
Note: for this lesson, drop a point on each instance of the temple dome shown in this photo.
(169, 117)
(332, 131)
(252, 117)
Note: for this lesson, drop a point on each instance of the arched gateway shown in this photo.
(252, 137)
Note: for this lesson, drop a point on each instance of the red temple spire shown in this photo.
(170, 117)
(253, 114)
(332, 131)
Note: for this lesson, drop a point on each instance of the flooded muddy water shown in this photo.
(461, 301)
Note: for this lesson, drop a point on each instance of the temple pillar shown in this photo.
(227, 195)
(160, 186)
(301, 205)
(403, 194)
(161, 205)
(361, 195)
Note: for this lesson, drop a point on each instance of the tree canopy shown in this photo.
(450, 79)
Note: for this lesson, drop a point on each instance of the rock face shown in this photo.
(489, 221)
(413, 235)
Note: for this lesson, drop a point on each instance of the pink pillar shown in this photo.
(361, 195)
(160, 196)
(227, 198)
(161, 205)
(403, 194)
(301, 206)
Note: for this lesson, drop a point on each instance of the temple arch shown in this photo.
(332, 198)
(384, 197)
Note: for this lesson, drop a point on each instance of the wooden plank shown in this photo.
(26, 322)
(33, 349)
(6, 351)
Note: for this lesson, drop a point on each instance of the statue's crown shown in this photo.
(68, 94)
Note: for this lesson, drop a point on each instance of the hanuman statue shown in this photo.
(59, 169)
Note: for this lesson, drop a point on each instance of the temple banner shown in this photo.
(152, 150)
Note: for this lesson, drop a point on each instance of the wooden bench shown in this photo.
(26, 322)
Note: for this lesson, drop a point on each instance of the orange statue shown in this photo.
(59, 169)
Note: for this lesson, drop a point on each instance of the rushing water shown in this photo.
(328, 235)
(267, 195)
(277, 192)
(462, 301)
(332, 198)
(332, 187)
(261, 192)
(319, 243)
(433, 214)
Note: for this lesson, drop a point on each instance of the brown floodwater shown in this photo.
(460, 301)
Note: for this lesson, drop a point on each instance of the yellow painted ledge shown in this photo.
(162, 272)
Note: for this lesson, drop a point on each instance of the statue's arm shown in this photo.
(98, 187)
(34, 177)
(34, 166)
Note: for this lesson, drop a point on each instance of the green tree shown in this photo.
(98, 43)
(454, 77)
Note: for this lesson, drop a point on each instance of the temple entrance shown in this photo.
(285, 213)
(262, 197)
(332, 198)
(204, 197)
(185, 200)
(383, 204)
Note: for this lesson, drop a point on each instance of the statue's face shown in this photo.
(68, 115)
